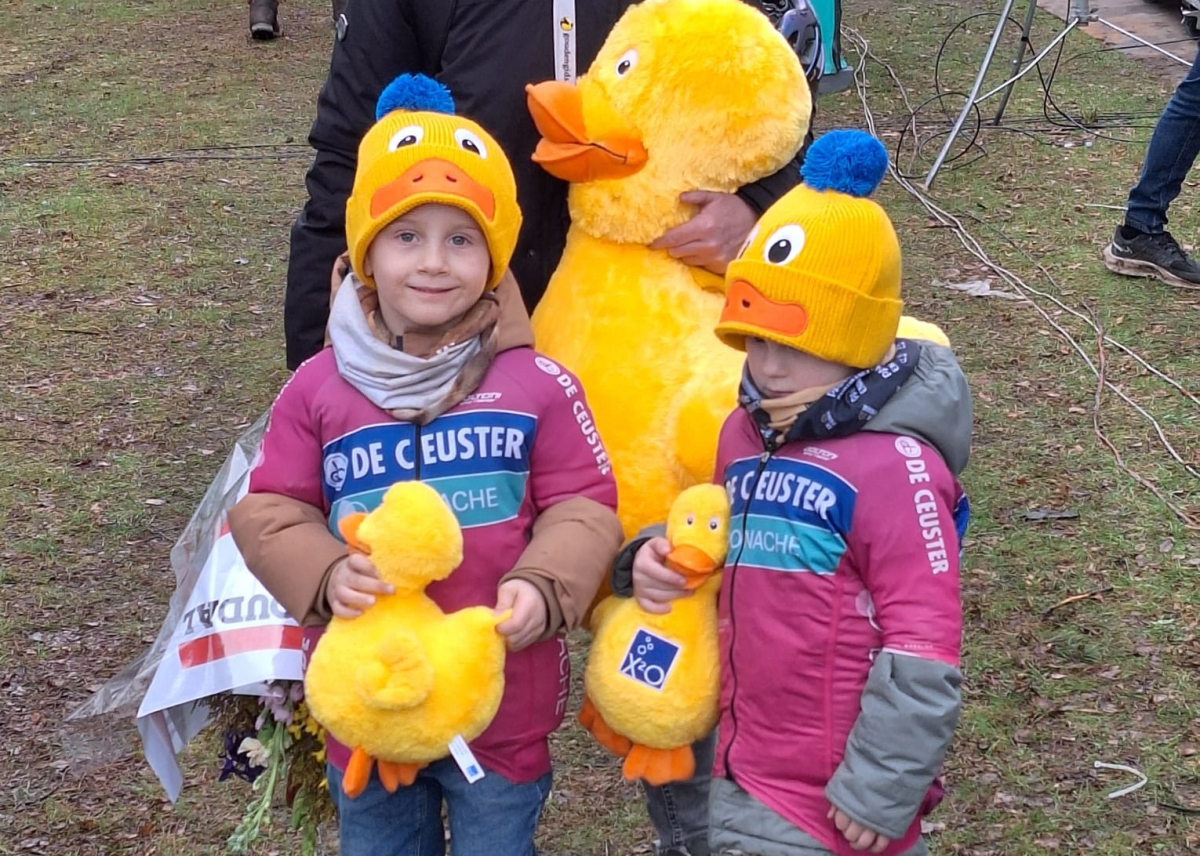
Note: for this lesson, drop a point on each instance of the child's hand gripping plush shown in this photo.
(394, 677)
(859, 837)
(652, 678)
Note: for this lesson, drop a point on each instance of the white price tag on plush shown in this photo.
(465, 758)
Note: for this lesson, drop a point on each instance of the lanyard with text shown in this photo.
(564, 40)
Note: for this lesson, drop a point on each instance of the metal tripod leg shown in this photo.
(970, 105)
(1016, 63)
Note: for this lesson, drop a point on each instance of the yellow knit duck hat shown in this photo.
(820, 271)
(419, 152)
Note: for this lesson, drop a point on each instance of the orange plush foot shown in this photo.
(393, 774)
(659, 766)
(592, 721)
(358, 773)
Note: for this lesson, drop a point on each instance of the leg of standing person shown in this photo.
(264, 19)
(679, 811)
(1142, 246)
(376, 823)
(492, 815)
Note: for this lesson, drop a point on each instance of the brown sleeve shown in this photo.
(288, 546)
(571, 552)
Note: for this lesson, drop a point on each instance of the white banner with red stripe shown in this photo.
(223, 633)
(232, 634)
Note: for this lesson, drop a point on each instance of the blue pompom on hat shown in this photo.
(848, 161)
(414, 92)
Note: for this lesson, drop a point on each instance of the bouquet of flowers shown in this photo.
(272, 741)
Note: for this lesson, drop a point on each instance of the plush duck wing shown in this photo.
(699, 408)
(466, 649)
(399, 676)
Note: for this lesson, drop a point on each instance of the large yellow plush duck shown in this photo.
(684, 95)
(652, 681)
(401, 681)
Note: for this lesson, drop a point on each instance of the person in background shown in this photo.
(1141, 245)
(485, 53)
(264, 18)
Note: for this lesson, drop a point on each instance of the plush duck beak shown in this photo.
(433, 176)
(348, 527)
(692, 563)
(745, 304)
(566, 150)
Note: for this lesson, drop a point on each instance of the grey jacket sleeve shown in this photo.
(622, 572)
(910, 707)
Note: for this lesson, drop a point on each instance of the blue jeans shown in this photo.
(491, 816)
(1172, 151)
(679, 811)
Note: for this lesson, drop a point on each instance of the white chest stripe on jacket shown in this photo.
(564, 40)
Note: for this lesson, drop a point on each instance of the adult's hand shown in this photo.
(714, 235)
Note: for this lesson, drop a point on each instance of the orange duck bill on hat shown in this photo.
(746, 306)
(566, 150)
(433, 176)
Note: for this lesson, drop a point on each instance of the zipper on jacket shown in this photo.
(762, 465)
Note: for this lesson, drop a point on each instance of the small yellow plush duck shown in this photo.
(652, 681)
(402, 680)
(684, 95)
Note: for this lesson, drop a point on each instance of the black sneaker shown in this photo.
(264, 19)
(1134, 253)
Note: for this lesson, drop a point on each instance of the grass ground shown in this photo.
(151, 160)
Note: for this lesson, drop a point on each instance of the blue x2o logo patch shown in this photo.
(649, 659)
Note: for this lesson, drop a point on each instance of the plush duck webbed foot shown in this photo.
(358, 773)
(659, 766)
(391, 773)
(593, 722)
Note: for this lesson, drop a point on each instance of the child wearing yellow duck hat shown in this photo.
(430, 375)
(840, 617)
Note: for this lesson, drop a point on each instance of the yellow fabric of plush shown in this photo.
(718, 100)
